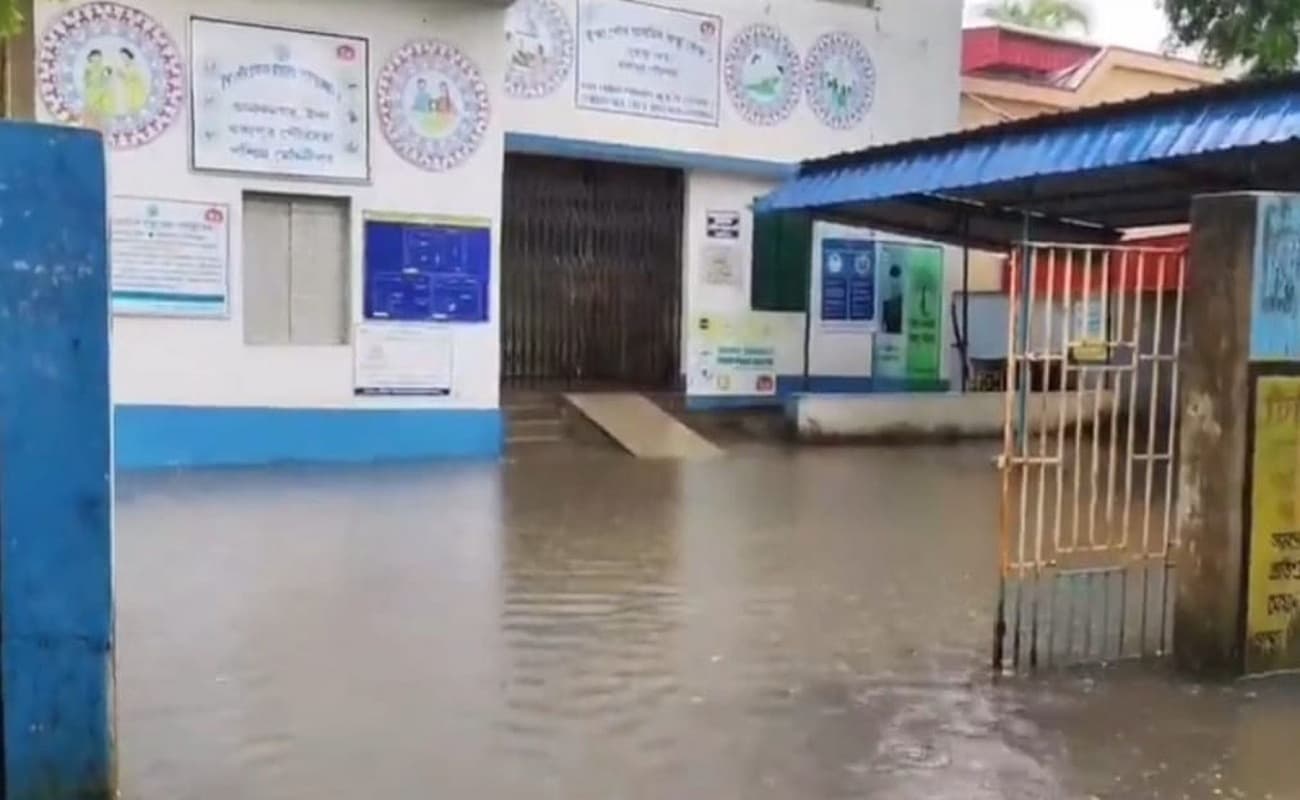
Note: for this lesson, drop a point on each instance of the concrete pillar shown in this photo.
(56, 590)
(1241, 332)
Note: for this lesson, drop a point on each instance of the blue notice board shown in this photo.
(848, 280)
(427, 270)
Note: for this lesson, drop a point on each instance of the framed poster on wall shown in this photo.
(426, 268)
(848, 275)
(399, 360)
(279, 101)
(649, 61)
(171, 258)
(909, 345)
(732, 355)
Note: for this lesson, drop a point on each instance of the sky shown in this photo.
(1129, 23)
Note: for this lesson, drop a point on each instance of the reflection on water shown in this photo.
(777, 624)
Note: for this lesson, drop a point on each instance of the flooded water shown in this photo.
(809, 624)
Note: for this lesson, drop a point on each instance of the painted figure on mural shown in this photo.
(524, 38)
(839, 84)
(435, 115)
(423, 102)
(764, 77)
(134, 83)
(113, 90)
(97, 88)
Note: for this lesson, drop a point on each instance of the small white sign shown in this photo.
(402, 359)
(649, 61)
(170, 257)
(724, 225)
(722, 266)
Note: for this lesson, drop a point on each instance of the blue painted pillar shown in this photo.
(56, 621)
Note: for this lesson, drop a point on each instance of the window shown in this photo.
(782, 262)
(295, 274)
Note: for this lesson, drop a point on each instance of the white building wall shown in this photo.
(197, 362)
(914, 46)
(915, 49)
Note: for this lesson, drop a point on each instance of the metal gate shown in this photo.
(1088, 516)
(591, 289)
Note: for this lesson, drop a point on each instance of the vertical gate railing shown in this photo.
(1089, 449)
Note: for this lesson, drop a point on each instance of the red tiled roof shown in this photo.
(1002, 49)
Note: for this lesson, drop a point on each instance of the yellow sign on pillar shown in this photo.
(1273, 604)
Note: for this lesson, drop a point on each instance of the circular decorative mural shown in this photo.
(433, 105)
(539, 48)
(110, 67)
(762, 74)
(840, 80)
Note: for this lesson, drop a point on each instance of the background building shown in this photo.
(1010, 73)
(339, 225)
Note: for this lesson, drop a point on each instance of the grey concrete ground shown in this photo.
(808, 624)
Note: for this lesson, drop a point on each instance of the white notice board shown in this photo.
(169, 257)
(649, 61)
(279, 101)
(400, 358)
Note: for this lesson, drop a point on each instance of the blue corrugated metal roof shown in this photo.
(1198, 136)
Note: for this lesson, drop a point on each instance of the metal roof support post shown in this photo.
(807, 319)
(964, 351)
(1022, 337)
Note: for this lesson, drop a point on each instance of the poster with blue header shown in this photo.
(427, 269)
(848, 272)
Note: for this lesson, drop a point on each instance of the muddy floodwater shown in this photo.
(795, 624)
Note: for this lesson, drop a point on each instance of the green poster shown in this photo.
(924, 313)
(908, 345)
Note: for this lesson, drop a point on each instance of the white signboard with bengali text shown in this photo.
(650, 61)
(732, 355)
(170, 257)
(279, 101)
(400, 358)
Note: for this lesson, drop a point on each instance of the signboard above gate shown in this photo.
(649, 61)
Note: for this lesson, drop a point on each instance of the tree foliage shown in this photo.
(11, 18)
(1263, 35)
(1056, 16)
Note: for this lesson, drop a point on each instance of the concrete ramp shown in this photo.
(642, 428)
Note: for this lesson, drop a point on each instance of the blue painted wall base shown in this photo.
(161, 437)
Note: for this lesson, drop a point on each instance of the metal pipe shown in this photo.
(965, 306)
(807, 319)
(1022, 414)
